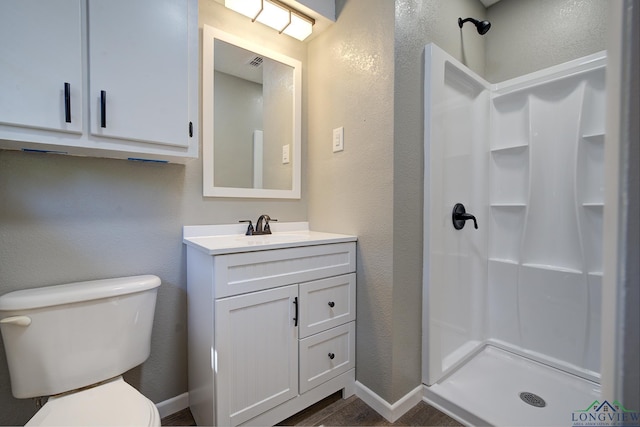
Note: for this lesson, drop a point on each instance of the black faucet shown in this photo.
(262, 226)
(266, 229)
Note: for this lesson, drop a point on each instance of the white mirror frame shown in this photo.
(210, 34)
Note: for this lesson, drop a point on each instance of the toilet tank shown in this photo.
(64, 337)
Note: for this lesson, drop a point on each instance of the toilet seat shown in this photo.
(114, 403)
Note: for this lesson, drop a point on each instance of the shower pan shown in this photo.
(511, 310)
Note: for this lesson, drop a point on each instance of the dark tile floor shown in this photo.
(335, 411)
(182, 418)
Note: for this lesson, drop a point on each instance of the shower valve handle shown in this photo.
(466, 217)
(460, 217)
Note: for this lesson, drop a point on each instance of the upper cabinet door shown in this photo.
(33, 92)
(139, 70)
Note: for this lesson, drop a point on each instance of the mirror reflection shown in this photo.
(253, 119)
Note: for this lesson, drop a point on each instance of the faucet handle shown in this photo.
(460, 216)
(249, 228)
(267, 228)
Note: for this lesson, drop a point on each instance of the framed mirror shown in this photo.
(251, 119)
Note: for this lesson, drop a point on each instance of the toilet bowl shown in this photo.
(113, 403)
(73, 342)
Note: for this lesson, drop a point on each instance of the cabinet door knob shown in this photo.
(332, 304)
(331, 356)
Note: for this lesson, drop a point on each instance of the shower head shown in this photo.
(482, 26)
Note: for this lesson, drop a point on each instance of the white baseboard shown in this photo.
(173, 405)
(390, 412)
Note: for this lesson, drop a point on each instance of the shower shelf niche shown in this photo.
(551, 268)
(509, 175)
(596, 138)
(510, 122)
(503, 261)
(510, 149)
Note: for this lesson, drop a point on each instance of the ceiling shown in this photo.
(236, 61)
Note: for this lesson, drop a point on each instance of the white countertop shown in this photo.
(228, 239)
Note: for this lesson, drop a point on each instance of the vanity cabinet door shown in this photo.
(40, 51)
(256, 353)
(139, 70)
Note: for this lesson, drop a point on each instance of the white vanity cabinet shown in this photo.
(99, 78)
(271, 331)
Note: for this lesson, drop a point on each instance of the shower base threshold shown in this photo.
(486, 391)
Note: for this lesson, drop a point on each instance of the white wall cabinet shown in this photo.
(270, 332)
(40, 51)
(99, 78)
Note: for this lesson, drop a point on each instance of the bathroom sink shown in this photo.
(266, 239)
(222, 239)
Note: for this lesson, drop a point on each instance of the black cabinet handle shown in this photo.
(67, 102)
(103, 109)
(295, 319)
(332, 304)
(331, 356)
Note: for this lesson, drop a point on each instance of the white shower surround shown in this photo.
(526, 157)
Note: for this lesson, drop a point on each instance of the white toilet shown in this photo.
(73, 342)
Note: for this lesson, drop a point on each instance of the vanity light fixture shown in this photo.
(276, 15)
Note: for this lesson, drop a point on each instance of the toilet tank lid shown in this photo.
(76, 292)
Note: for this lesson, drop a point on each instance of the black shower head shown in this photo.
(482, 26)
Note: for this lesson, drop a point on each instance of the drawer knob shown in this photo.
(331, 356)
(331, 304)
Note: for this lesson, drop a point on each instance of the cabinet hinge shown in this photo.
(190, 129)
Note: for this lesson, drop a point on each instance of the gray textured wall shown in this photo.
(531, 35)
(374, 188)
(351, 85)
(418, 22)
(68, 219)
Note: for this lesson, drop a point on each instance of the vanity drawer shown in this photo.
(240, 273)
(327, 303)
(316, 362)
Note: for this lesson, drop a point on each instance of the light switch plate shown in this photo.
(338, 139)
(285, 154)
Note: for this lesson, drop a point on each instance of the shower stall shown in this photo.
(511, 310)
